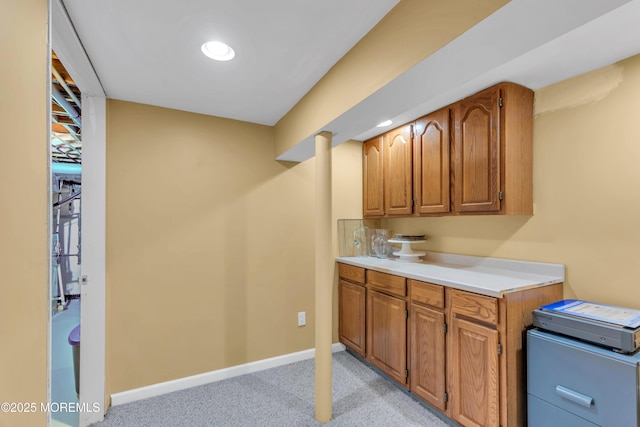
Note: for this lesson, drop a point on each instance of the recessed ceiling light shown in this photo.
(218, 51)
(384, 124)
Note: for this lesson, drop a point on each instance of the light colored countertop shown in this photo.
(487, 276)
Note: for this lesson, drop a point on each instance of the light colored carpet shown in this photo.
(280, 397)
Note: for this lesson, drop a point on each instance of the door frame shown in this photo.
(67, 46)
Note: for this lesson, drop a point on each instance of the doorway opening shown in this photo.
(66, 244)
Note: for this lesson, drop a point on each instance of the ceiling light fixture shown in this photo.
(384, 124)
(218, 51)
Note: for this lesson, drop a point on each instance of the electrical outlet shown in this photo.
(302, 318)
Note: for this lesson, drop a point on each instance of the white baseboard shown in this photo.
(213, 376)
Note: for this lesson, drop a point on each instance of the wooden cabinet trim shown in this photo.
(352, 273)
(474, 306)
(516, 314)
(426, 293)
(387, 283)
(516, 129)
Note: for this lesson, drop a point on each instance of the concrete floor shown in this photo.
(62, 378)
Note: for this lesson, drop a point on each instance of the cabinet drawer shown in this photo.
(388, 283)
(479, 307)
(427, 293)
(544, 414)
(595, 384)
(349, 272)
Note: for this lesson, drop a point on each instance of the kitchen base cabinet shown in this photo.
(427, 336)
(352, 316)
(427, 355)
(473, 359)
(387, 324)
(464, 351)
(473, 364)
(387, 334)
(351, 308)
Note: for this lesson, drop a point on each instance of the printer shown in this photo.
(617, 328)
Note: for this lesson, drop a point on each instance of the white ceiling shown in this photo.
(148, 51)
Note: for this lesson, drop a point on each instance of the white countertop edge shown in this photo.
(487, 276)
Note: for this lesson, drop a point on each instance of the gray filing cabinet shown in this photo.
(574, 384)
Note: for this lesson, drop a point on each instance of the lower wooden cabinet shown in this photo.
(475, 372)
(387, 334)
(473, 359)
(460, 352)
(427, 355)
(351, 325)
(351, 308)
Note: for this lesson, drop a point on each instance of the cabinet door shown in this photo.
(431, 163)
(477, 153)
(372, 168)
(387, 334)
(351, 306)
(427, 355)
(398, 193)
(474, 393)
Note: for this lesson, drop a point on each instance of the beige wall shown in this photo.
(209, 244)
(24, 212)
(586, 191)
(410, 32)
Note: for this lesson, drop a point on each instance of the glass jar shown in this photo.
(380, 244)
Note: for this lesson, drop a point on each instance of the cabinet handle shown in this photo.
(574, 396)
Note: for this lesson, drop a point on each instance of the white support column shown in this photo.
(324, 278)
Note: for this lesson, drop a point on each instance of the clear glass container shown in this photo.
(354, 237)
(379, 243)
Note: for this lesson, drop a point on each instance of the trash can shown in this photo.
(74, 341)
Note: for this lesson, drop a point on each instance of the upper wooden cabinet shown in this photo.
(477, 153)
(493, 151)
(431, 163)
(398, 189)
(387, 169)
(372, 167)
(472, 157)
